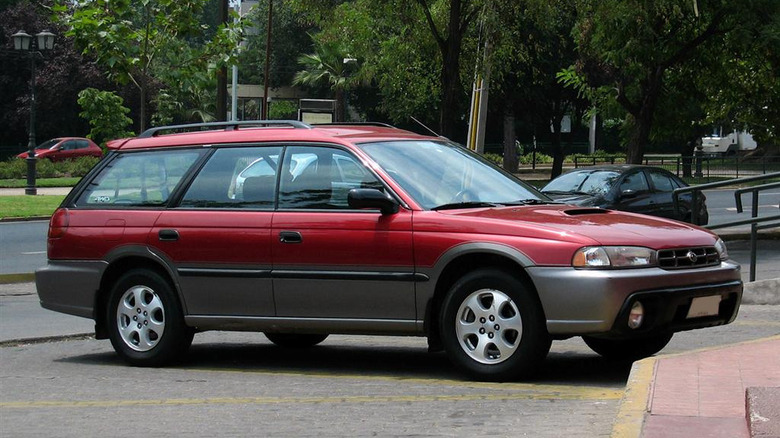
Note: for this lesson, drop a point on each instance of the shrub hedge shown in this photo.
(15, 168)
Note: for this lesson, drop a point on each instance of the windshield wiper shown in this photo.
(466, 204)
(529, 202)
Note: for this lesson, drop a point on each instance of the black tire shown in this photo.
(295, 340)
(145, 320)
(493, 327)
(628, 349)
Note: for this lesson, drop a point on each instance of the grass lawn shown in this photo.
(28, 206)
(40, 182)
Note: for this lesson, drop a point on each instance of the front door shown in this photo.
(331, 261)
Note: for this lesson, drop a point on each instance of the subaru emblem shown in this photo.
(692, 256)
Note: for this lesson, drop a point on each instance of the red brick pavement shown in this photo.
(702, 394)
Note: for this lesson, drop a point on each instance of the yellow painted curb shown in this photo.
(634, 404)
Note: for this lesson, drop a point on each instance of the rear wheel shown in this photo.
(628, 349)
(145, 320)
(295, 340)
(493, 327)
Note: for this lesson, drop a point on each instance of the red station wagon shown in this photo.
(365, 229)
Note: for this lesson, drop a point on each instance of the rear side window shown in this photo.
(236, 178)
(662, 182)
(139, 179)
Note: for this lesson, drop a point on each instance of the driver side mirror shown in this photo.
(372, 198)
(628, 194)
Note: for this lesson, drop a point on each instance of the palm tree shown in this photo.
(328, 65)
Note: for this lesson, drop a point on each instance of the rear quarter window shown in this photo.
(139, 179)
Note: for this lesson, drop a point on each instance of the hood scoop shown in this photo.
(584, 211)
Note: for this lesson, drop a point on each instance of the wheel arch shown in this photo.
(119, 264)
(466, 259)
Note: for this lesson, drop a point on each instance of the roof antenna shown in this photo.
(428, 129)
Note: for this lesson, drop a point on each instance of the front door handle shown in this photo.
(168, 235)
(290, 237)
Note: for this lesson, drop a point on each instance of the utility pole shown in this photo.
(267, 74)
(221, 106)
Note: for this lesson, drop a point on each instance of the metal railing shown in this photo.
(699, 166)
(766, 222)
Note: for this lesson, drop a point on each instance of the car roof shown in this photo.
(622, 168)
(239, 133)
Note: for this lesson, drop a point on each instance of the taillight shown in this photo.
(58, 225)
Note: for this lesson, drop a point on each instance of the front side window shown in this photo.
(440, 175)
(139, 179)
(236, 178)
(320, 178)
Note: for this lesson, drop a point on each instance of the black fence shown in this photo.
(697, 167)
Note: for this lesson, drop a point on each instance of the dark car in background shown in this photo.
(634, 188)
(66, 148)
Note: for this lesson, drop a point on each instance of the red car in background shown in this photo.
(66, 148)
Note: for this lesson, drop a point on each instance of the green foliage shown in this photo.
(494, 158)
(106, 115)
(283, 110)
(15, 168)
(151, 41)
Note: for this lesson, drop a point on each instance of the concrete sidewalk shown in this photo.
(705, 394)
(61, 191)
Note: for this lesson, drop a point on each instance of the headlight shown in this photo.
(614, 257)
(720, 247)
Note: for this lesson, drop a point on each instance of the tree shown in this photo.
(59, 77)
(630, 46)
(532, 44)
(329, 65)
(106, 113)
(134, 40)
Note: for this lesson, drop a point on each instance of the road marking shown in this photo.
(34, 253)
(747, 209)
(758, 323)
(570, 390)
(361, 399)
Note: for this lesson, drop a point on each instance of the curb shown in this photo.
(46, 339)
(24, 219)
(635, 404)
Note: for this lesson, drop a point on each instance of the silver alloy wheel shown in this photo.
(489, 326)
(140, 318)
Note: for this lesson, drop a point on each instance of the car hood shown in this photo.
(587, 225)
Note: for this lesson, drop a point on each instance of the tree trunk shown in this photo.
(643, 118)
(339, 116)
(556, 144)
(142, 123)
(510, 138)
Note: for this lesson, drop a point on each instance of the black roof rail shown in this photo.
(385, 125)
(229, 126)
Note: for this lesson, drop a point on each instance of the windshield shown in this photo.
(596, 182)
(438, 175)
(48, 143)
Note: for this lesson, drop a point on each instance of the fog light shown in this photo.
(636, 316)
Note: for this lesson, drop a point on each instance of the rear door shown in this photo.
(331, 261)
(219, 236)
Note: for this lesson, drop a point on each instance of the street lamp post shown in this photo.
(31, 47)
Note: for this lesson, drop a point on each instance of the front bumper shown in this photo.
(597, 302)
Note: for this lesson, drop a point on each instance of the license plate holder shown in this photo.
(704, 306)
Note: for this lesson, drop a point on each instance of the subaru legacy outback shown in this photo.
(301, 231)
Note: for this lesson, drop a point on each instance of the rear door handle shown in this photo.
(290, 237)
(168, 235)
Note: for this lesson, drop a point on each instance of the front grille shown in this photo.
(682, 258)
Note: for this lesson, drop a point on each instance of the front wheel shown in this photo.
(145, 320)
(493, 327)
(628, 349)
(295, 340)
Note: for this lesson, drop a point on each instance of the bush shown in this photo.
(496, 159)
(15, 168)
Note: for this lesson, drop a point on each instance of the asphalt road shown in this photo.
(238, 384)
